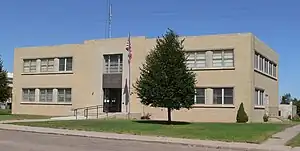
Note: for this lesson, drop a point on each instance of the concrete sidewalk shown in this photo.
(151, 139)
(283, 137)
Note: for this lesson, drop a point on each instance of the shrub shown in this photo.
(296, 117)
(290, 117)
(146, 117)
(266, 118)
(241, 116)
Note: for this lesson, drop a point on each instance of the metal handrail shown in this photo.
(86, 110)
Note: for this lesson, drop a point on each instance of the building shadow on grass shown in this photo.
(162, 122)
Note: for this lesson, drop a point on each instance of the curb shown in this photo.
(149, 139)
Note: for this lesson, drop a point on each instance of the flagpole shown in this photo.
(129, 87)
(128, 48)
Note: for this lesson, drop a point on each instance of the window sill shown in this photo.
(47, 73)
(213, 106)
(214, 68)
(46, 103)
(259, 107)
(272, 77)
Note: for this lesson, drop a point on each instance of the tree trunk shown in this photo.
(169, 115)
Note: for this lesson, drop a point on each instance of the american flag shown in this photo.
(128, 48)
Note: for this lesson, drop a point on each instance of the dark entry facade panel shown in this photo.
(112, 80)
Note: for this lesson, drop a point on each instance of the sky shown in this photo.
(54, 22)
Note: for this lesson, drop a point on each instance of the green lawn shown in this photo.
(252, 132)
(21, 117)
(295, 142)
(5, 114)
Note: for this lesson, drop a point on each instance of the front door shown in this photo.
(112, 100)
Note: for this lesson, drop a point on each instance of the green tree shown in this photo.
(297, 103)
(241, 116)
(4, 89)
(165, 80)
(286, 98)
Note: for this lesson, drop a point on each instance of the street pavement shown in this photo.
(26, 141)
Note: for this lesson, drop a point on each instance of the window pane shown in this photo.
(191, 55)
(260, 63)
(200, 96)
(61, 64)
(200, 55)
(113, 67)
(261, 98)
(256, 97)
(29, 65)
(49, 95)
(190, 63)
(274, 71)
(114, 59)
(271, 69)
(26, 69)
(217, 55)
(217, 63)
(200, 60)
(64, 95)
(113, 63)
(228, 54)
(61, 98)
(121, 67)
(42, 95)
(266, 66)
(228, 95)
(217, 96)
(200, 64)
(32, 95)
(256, 61)
(33, 62)
(61, 95)
(228, 63)
(26, 63)
(43, 62)
(69, 66)
(120, 63)
(25, 95)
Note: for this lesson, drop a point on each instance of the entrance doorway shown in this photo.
(112, 100)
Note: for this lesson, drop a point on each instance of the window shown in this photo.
(228, 58)
(264, 65)
(223, 96)
(113, 63)
(256, 61)
(217, 96)
(66, 64)
(200, 96)
(270, 68)
(228, 96)
(47, 65)
(274, 70)
(28, 95)
(64, 95)
(259, 97)
(217, 59)
(223, 58)
(29, 65)
(46, 95)
(196, 60)
(261, 64)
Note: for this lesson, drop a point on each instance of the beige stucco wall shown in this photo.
(238, 77)
(86, 78)
(265, 82)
